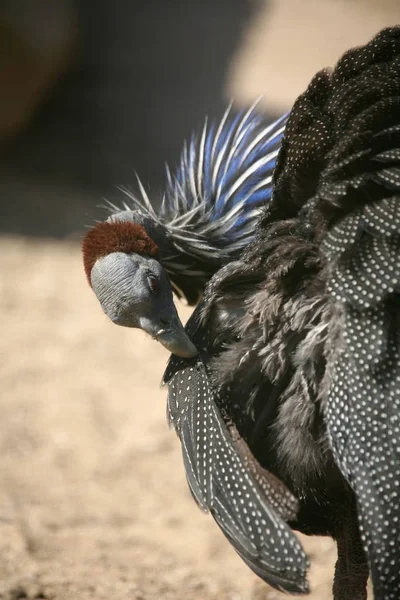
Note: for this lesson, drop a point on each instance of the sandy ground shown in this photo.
(93, 500)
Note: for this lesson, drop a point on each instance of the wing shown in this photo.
(362, 190)
(248, 503)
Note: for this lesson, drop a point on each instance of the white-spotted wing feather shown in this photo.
(245, 500)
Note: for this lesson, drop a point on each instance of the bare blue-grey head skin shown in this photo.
(134, 291)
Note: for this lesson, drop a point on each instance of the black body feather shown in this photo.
(300, 339)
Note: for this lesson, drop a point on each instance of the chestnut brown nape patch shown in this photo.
(105, 238)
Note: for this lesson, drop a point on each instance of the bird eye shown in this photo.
(153, 283)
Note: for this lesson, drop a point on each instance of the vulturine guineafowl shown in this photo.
(298, 371)
(288, 413)
(208, 215)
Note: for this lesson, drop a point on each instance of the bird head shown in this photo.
(208, 214)
(122, 266)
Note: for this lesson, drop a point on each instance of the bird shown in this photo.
(139, 258)
(283, 386)
(289, 413)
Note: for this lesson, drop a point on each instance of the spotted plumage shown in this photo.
(299, 341)
(363, 252)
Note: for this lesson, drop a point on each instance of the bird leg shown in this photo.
(351, 571)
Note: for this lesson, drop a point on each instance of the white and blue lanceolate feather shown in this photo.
(213, 200)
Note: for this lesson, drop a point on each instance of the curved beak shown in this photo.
(170, 332)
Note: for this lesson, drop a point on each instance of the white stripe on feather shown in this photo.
(200, 166)
(217, 136)
(263, 134)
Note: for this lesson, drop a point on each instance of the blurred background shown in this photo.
(93, 502)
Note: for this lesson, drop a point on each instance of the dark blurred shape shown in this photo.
(147, 73)
(37, 44)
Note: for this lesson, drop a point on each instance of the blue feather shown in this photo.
(213, 200)
(228, 166)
